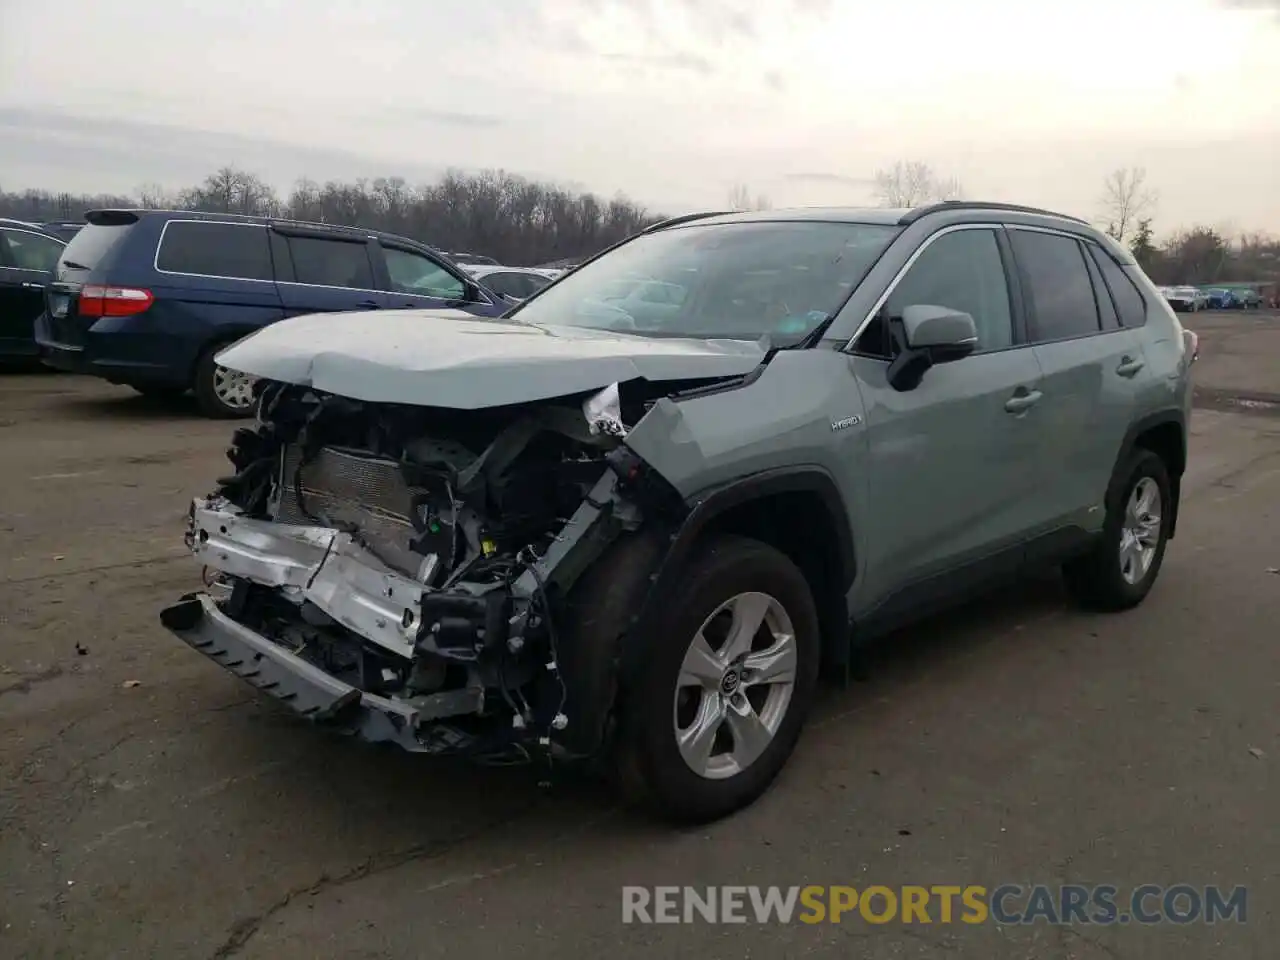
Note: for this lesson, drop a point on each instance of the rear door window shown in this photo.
(331, 263)
(1101, 296)
(1057, 282)
(236, 251)
(1129, 301)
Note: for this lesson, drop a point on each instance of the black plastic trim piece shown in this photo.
(1149, 422)
(800, 479)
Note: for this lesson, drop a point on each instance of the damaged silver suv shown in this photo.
(632, 520)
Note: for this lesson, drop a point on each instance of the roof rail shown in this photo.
(687, 218)
(911, 216)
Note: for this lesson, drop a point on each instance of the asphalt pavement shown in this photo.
(151, 805)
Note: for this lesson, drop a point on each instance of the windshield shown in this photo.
(737, 281)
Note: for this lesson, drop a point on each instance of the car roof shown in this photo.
(94, 216)
(887, 216)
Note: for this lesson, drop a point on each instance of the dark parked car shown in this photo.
(65, 229)
(1222, 299)
(148, 298)
(28, 255)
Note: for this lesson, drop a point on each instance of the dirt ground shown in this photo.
(151, 805)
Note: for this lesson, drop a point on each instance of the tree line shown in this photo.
(512, 219)
(519, 221)
(1194, 255)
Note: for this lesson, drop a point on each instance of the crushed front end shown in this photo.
(396, 572)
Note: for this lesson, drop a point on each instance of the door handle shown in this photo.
(34, 286)
(1129, 367)
(1023, 400)
(368, 305)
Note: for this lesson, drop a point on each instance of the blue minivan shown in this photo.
(147, 298)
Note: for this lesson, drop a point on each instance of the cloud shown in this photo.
(683, 61)
(1272, 5)
(448, 118)
(839, 179)
(58, 150)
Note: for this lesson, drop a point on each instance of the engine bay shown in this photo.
(423, 555)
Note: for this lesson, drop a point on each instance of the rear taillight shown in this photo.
(98, 301)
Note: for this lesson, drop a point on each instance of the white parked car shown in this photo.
(514, 283)
(1185, 299)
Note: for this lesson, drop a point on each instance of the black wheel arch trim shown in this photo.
(1143, 425)
(706, 507)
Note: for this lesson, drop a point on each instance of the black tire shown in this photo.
(207, 399)
(1096, 580)
(651, 770)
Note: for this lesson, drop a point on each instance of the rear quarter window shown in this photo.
(237, 251)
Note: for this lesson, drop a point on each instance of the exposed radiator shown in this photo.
(348, 489)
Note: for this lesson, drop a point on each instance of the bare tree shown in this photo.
(152, 196)
(740, 199)
(1126, 200)
(909, 183)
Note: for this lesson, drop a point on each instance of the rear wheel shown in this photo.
(221, 393)
(1119, 572)
(727, 684)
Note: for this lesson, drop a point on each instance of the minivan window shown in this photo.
(415, 274)
(961, 270)
(331, 263)
(743, 281)
(89, 246)
(1058, 284)
(238, 251)
(1128, 299)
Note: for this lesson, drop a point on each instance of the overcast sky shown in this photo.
(669, 101)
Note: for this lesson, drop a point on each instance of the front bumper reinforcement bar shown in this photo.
(308, 690)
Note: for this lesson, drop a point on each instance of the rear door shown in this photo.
(322, 272)
(415, 279)
(1093, 371)
(27, 261)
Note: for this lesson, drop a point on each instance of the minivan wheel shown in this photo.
(1119, 572)
(726, 686)
(221, 393)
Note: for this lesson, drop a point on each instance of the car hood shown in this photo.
(452, 359)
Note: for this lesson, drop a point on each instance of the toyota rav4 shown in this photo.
(635, 530)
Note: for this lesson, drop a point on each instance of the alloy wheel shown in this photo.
(1140, 532)
(735, 685)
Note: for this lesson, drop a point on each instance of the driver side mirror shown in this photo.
(927, 335)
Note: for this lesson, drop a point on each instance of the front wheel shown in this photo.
(1119, 572)
(727, 684)
(221, 393)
